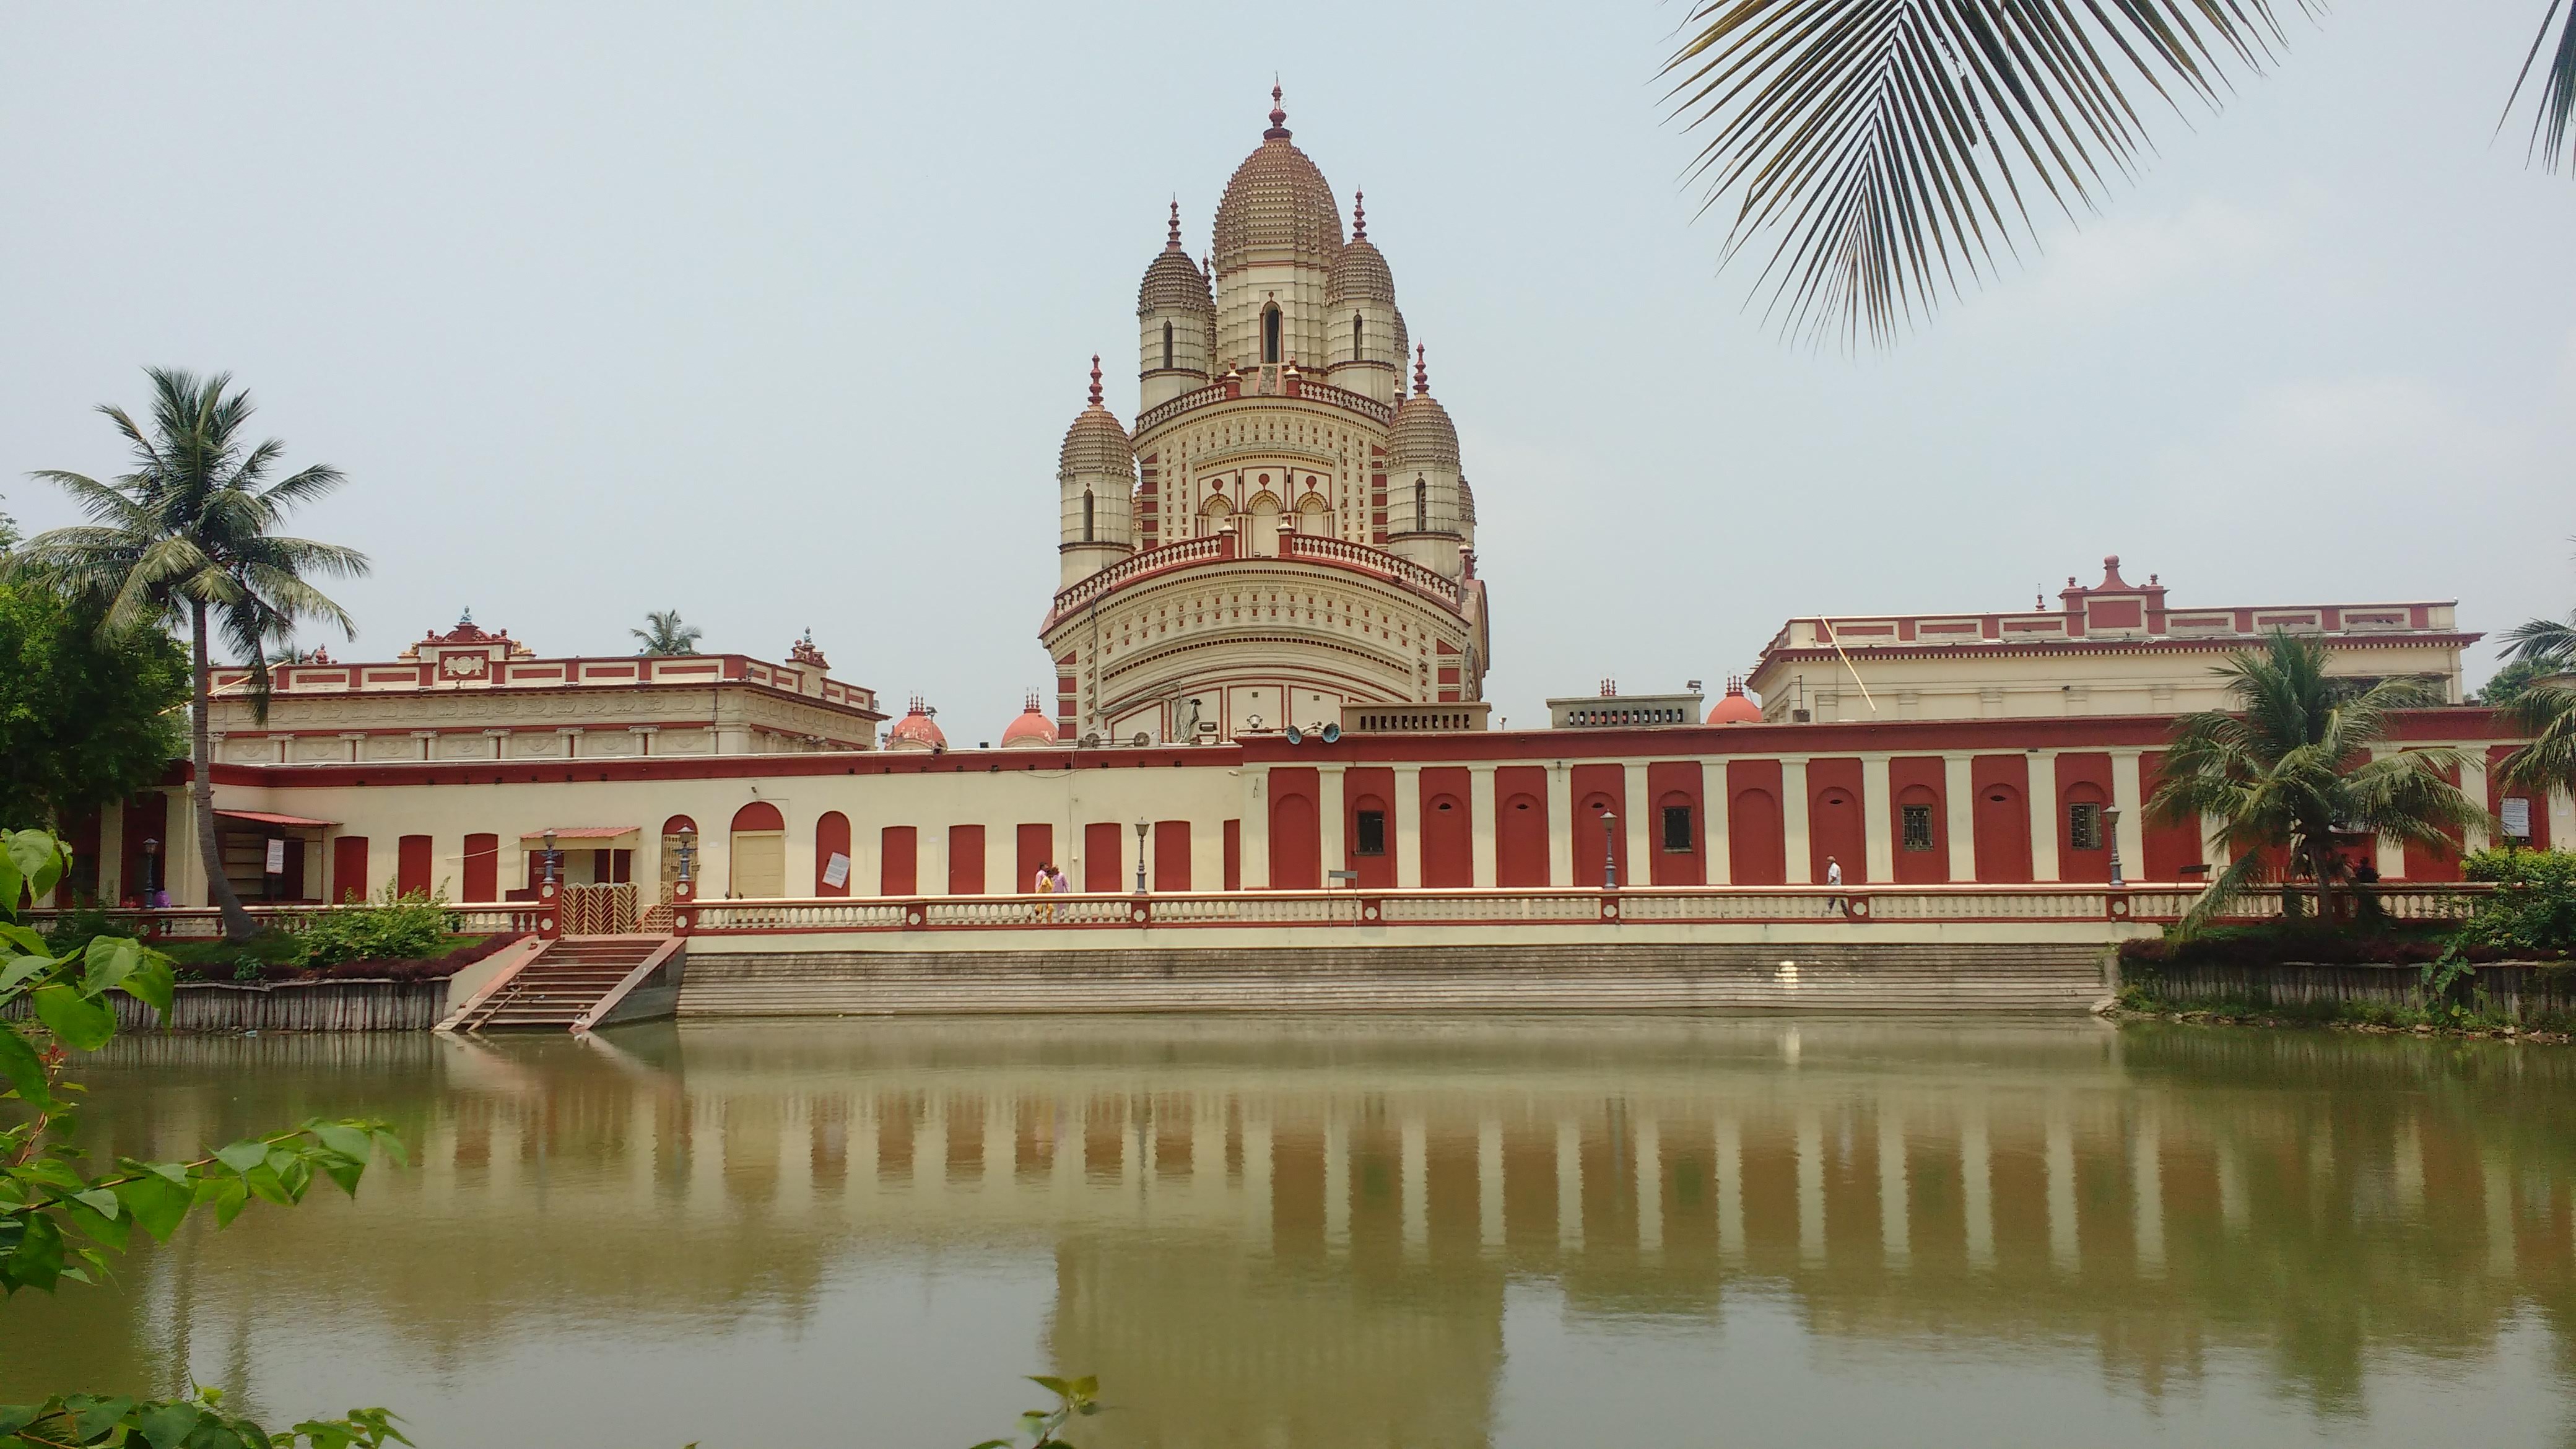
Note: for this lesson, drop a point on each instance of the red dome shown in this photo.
(1735, 708)
(1030, 731)
(916, 730)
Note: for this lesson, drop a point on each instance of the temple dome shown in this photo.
(1032, 730)
(1096, 443)
(1735, 708)
(1421, 433)
(1277, 206)
(917, 730)
(1172, 281)
(1359, 273)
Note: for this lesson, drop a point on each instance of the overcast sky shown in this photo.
(775, 315)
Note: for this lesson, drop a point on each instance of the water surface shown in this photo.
(1417, 1233)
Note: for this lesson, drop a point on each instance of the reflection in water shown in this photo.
(1305, 1233)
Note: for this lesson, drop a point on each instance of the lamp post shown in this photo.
(1140, 857)
(151, 874)
(688, 853)
(2111, 831)
(552, 855)
(1609, 850)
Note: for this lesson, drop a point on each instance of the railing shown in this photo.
(1293, 547)
(1390, 719)
(1306, 389)
(599, 910)
(206, 923)
(1319, 548)
(1657, 905)
(1136, 566)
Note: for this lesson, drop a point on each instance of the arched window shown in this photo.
(1086, 515)
(1167, 347)
(1421, 505)
(1270, 334)
(1356, 333)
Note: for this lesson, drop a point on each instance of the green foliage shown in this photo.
(85, 716)
(2508, 683)
(664, 634)
(2533, 908)
(59, 1221)
(1074, 1398)
(393, 927)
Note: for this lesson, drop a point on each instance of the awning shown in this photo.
(583, 832)
(263, 817)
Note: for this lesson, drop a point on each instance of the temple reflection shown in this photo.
(1303, 1232)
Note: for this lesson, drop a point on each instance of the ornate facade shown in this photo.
(1286, 532)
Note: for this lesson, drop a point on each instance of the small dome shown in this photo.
(1096, 443)
(1421, 432)
(1031, 730)
(1735, 708)
(1359, 271)
(1277, 202)
(917, 730)
(1466, 501)
(1172, 281)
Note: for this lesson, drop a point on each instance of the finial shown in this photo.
(1359, 215)
(1032, 701)
(1421, 372)
(1095, 379)
(465, 617)
(1175, 238)
(1278, 118)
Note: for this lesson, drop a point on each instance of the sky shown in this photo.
(776, 315)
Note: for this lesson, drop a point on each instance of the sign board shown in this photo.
(836, 871)
(2517, 817)
(277, 857)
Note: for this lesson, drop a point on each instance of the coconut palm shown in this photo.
(1890, 146)
(2288, 768)
(2545, 708)
(663, 633)
(188, 536)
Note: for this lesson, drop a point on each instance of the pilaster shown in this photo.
(2473, 783)
(1959, 805)
(1256, 830)
(2129, 797)
(1876, 832)
(1640, 810)
(1486, 820)
(1408, 827)
(2043, 815)
(1713, 799)
(1331, 809)
(1793, 819)
(1560, 825)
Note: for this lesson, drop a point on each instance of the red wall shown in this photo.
(1917, 780)
(1598, 788)
(1296, 835)
(1035, 847)
(1676, 782)
(349, 869)
(1171, 855)
(2002, 813)
(1234, 855)
(2169, 847)
(831, 838)
(413, 862)
(1757, 841)
(899, 861)
(482, 868)
(2082, 779)
(1369, 789)
(2496, 794)
(1104, 854)
(758, 815)
(1520, 832)
(965, 860)
(1448, 828)
(1834, 820)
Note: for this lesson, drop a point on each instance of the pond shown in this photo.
(1316, 1232)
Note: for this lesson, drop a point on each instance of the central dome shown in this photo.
(1278, 207)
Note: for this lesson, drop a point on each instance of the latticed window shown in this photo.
(1918, 826)
(1372, 833)
(1677, 829)
(2084, 827)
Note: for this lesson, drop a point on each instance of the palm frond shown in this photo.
(2543, 643)
(2553, 123)
(1884, 147)
(2546, 712)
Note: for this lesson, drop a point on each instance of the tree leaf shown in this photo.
(155, 1203)
(19, 969)
(14, 1417)
(244, 1155)
(109, 960)
(77, 1021)
(168, 1424)
(346, 1138)
(24, 1070)
(153, 982)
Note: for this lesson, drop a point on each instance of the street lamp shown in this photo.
(2111, 831)
(688, 852)
(1609, 851)
(151, 873)
(552, 855)
(1140, 857)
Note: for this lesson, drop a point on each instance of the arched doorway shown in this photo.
(1520, 839)
(757, 853)
(1757, 850)
(1834, 834)
(1448, 842)
(2003, 834)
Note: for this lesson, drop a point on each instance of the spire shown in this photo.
(1421, 372)
(1359, 216)
(1095, 379)
(1174, 239)
(1278, 118)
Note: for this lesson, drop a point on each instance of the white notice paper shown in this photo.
(2517, 817)
(836, 871)
(277, 857)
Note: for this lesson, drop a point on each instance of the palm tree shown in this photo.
(2288, 769)
(2545, 708)
(187, 535)
(1891, 145)
(663, 633)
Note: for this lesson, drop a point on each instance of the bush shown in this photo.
(394, 927)
(2533, 908)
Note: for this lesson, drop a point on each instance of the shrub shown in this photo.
(395, 926)
(2533, 908)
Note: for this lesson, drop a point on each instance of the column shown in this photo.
(2388, 853)
(1489, 1185)
(1560, 825)
(1333, 820)
(111, 855)
(1642, 840)
(2062, 1250)
(2129, 797)
(1569, 1186)
(1811, 1186)
(930, 854)
(1487, 819)
(1408, 827)
(2473, 783)
(1729, 1172)
(1877, 828)
(2147, 1187)
(1207, 854)
(1255, 830)
(1337, 1184)
(1712, 794)
(2043, 815)
(1793, 816)
(1414, 1183)
(1959, 802)
(1977, 1186)
(1895, 1226)
(1650, 1186)
(2562, 822)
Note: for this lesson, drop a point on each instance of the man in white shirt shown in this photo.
(1833, 877)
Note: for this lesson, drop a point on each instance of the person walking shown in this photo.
(1833, 878)
(1045, 886)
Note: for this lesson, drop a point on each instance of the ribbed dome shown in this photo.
(1359, 271)
(1032, 730)
(1096, 443)
(1172, 280)
(916, 730)
(1421, 432)
(1735, 708)
(1466, 501)
(1277, 203)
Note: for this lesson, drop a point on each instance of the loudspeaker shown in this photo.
(1296, 736)
(1332, 732)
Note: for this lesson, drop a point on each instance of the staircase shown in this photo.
(562, 987)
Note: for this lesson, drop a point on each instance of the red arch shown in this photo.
(2002, 818)
(1448, 830)
(1920, 867)
(759, 815)
(831, 837)
(1520, 835)
(1834, 821)
(1296, 834)
(1757, 845)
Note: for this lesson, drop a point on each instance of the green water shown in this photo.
(1312, 1233)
